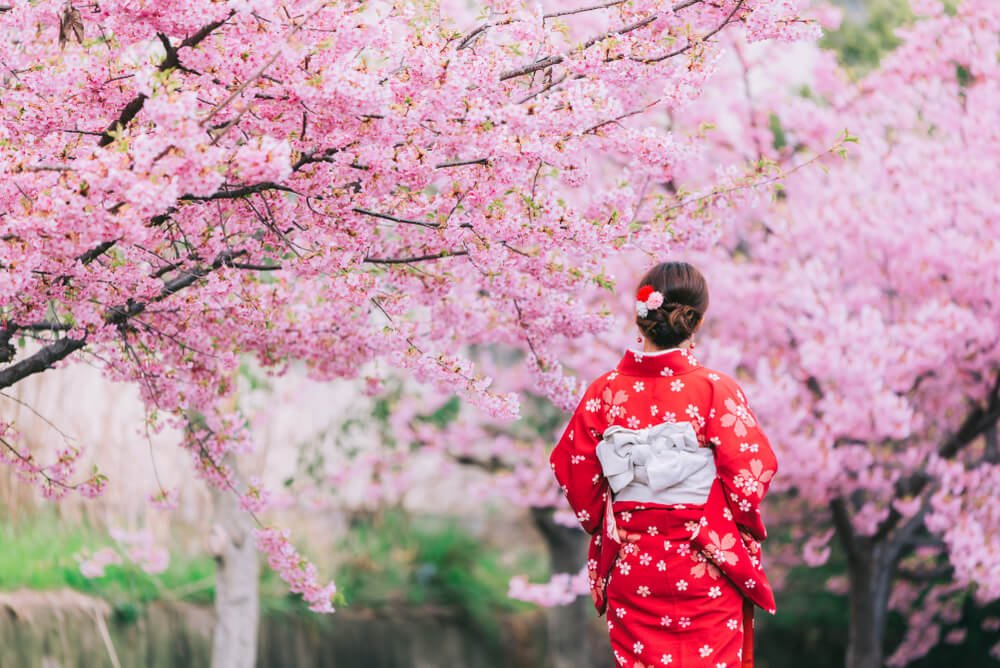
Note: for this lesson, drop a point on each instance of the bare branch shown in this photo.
(491, 465)
(124, 118)
(206, 30)
(318, 156)
(547, 87)
(256, 267)
(44, 327)
(67, 439)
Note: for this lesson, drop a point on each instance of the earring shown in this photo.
(638, 339)
(692, 344)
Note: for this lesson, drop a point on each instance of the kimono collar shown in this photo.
(661, 363)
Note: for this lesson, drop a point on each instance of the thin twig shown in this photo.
(66, 437)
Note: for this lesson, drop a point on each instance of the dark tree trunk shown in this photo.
(871, 564)
(870, 583)
(575, 638)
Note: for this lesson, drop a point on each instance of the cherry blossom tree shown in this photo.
(861, 307)
(363, 186)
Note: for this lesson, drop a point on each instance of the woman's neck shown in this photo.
(649, 347)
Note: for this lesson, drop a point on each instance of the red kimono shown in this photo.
(678, 581)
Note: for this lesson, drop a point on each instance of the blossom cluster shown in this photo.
(139, 547)
(561, 589)
(300, 575)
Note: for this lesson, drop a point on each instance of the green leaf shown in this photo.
(779, 140)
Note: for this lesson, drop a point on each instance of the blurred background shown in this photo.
(442, 556)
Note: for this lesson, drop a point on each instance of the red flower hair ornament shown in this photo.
(646, 300)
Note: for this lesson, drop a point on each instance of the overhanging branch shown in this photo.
(59, 350)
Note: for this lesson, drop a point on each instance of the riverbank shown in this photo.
(67, 629)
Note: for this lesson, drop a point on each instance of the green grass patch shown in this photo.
(390, 560)
(42, 555)
(396, 559)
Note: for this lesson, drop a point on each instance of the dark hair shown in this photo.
(685, 300)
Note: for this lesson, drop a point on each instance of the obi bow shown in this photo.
(659, 457)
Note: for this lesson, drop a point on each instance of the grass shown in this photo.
(392, 560)
(41, 555)
(400, 560)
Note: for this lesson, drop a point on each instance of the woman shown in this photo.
(665, 465)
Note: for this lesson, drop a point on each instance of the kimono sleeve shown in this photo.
(575, 465)
(744, 460)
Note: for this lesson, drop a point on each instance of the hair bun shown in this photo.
(685, 300)
(681, 318)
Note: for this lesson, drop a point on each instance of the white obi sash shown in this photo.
(659, 464)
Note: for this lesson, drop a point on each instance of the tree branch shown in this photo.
(549, 61)
(581, 10)
(699, 40)
(844, 528)
(468, 39)
(59, 350)
(613, 3)
(385, 216)
(41, 360)
(237, 193)
(7, 351)
(418, 258)
(171, 60)
(491, 465)
(96, 251)
(256, 267)
(977, 423)
(460, 163)
(124, 118)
